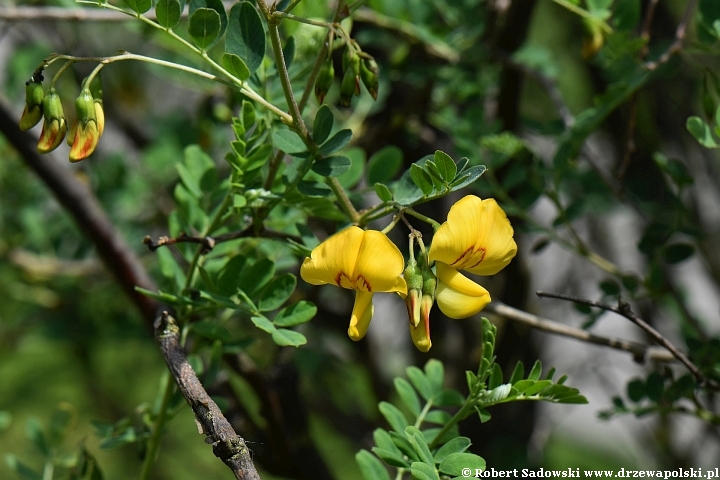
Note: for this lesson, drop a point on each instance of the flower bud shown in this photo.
(420, 331)
(414, 280)
(97, 94)
(351, 82)
(324, 80)
(33, 111)
(369, 75)
(54, 126)
(85, 131)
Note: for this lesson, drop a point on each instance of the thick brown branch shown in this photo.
(623, 308)
(228, 446)
(639, 351)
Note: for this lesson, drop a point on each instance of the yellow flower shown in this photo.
(54, 126)
(477, 238)
(33, 111)
(362, 260)
(86, 129)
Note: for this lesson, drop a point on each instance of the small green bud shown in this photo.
(351, 82)
(324, 80)
(369, 75)
(33, 104)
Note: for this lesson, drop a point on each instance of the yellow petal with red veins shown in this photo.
(333, 261)
(456, 295)
(361, 315)
(85, 140)
(380, 262)
(358, 260)
(476, 237)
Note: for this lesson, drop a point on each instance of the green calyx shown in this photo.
(369, 75)
(413, 276)
(33, 93)
(85, 107)
(52, 106)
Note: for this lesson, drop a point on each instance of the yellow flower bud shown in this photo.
(33, 111)
(54, 126)
(85, 131)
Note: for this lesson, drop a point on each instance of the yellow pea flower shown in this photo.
(362, 260)
(54, 126)
(86, 129)
(477, 237)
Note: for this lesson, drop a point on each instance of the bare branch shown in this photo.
(677, 45)
(639, 351)
(208, 242)
(623, 308)
(228, 446)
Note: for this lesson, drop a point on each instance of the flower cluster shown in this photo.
(86, 128)
(477, 238)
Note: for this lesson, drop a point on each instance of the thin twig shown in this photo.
(639, 351)
(623, 308)
(677, 45)
(227, 445)
(209, 242)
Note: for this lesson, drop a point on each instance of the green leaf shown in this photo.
(422, 471)
(5, 420)
(288, 141)
(314, 189)
(496, 377)
(391, 458)
(435, 373)
(636, 390)
(483, 414)
(678, 252)
(20, 469)
(36, 435)
(536, 371)
(230, 274)
(383, 192)
(332, 166)
(394, 416)
(216, 5)
(263, 324)
(454, 464)
(384, 164)
(655, 386)
(139, 6)
(405, 191)
(322, 125)
(195, 165)
(246, 35)
(445, 165)
(295, 314)
(288, 338)
(448, 398)
(277, 292)
(350, 178)
(420, 382)
(440, 417)
(518, 373)
(370, 467)
(204, 27)
(235, 65)
(120, 440)
(256, 277)
(383, 440)
(168, 13)
(211, 330)
(408, 395)
(336, 143)
(456, 445)
(701, 131)
(626, 14)
(467, 177)
(421, 178)
(417, 440)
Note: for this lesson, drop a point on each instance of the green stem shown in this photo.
(343, 199)
(154, 441)
(422, 217)
(423, 414)
(585, 14)
(460, 415)
(243, 86)
(49, 470)
(375, 213)
(60, 71)
(317, 23)
(391, 225)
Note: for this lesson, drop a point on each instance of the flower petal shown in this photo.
(85, 140)
(476, 237)
(380, 263)
(420, 333)
(332, 258)
(458, 296)
(361, 315)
